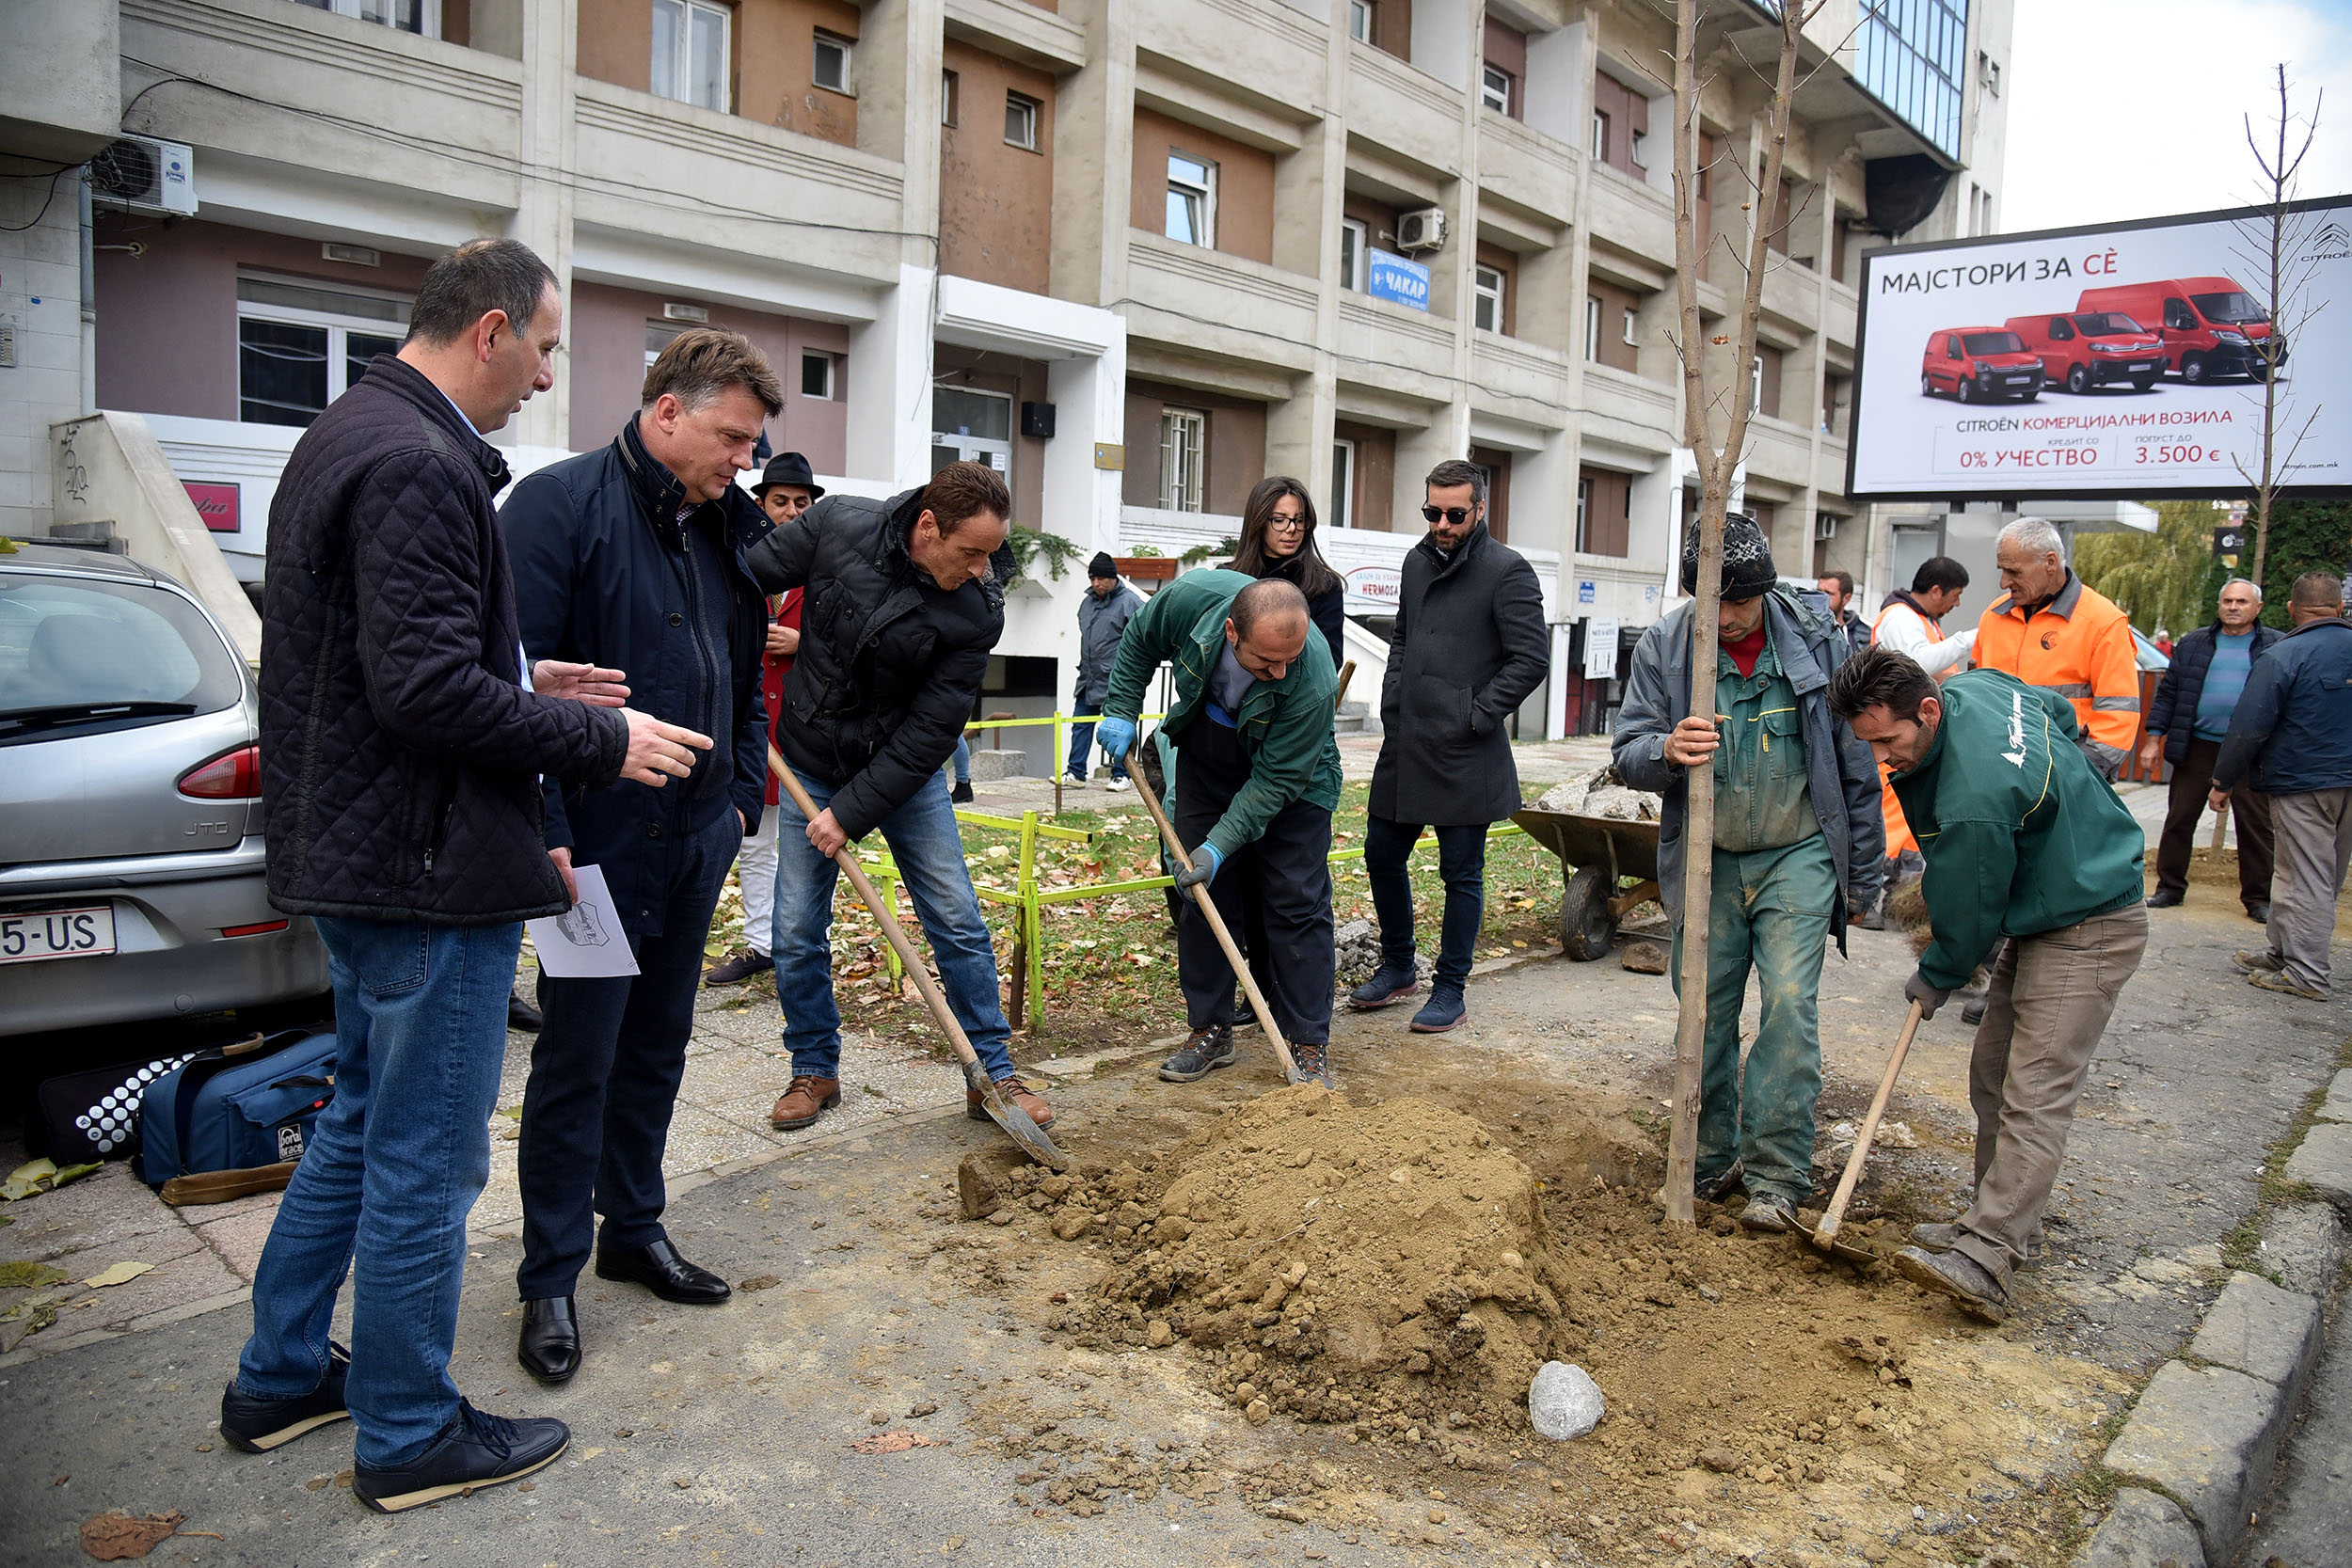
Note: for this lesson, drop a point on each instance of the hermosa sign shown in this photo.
(1373, 590)
(1393, 278)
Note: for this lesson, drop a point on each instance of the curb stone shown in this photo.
(2144, 1529)
(2323, 1160)
(2303, 1248)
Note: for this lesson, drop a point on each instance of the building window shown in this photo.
(1191, 200)
(300, 346)
(1629, 339)
(1486, 300)
(1583, 509)
(1988, 73)
(421, 17)
(816, 374)
(1021, 121)
(658, 336)
(1600, 137)
(1494, 88)
(1183, 443)
(1342, 508)
(828, 59)
(1355, 239)
(1912, 57)
(690, 52)
(1359, 20)
(1592, 328)
(1755, 383)
(948, 82)
(971, 426)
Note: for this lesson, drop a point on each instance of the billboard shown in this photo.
(2121, 361)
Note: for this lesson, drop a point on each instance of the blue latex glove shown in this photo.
(1205, 861)
(1116, 736)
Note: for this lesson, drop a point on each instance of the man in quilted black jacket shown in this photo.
(402, 744)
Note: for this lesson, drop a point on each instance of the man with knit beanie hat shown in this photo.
(1103, 616)
(1798, 837)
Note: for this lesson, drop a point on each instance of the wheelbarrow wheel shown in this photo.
(1587, 929)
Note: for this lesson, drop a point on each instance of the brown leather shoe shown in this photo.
(804, 1102)
(1016, 1091)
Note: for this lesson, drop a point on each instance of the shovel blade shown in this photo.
(1018, 1124)
(1827, 1240)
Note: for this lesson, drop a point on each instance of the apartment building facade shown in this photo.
(1136, 254)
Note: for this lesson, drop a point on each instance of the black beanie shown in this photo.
(1747, 559)
(1102, 566)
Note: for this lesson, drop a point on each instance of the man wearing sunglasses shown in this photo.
(1470, 645)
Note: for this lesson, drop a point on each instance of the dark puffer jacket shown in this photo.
(890, 663)
(401, 753)
(2174, 714)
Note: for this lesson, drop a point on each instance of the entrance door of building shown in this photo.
(971, 426)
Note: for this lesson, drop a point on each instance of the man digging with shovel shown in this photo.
(2023, 840)
(1257, 775)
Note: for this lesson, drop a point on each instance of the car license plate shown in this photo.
(37, 934)
(2019, 380)
(2138, 369)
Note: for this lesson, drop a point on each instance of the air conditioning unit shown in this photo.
(1421, 230)
(1826, 525)
(142, 174)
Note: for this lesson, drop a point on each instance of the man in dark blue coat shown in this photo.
(632, 558)
(2185, 723)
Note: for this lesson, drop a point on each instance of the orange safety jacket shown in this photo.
(2078, 645)
(1898, 834)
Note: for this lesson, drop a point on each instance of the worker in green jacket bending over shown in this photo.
(1257, 776)
(2023, 840)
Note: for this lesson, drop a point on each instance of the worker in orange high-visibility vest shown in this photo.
(2050, 629)
(1911, 624)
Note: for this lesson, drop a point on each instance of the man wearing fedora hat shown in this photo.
(1103, 617)
(787, 488)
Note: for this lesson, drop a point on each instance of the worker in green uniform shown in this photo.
(2023, 840)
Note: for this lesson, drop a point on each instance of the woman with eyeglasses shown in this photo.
(1278, 540)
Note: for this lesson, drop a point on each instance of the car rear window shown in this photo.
(1993, 342)
(82, 653)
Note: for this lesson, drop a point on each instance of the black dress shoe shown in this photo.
(2160, 899)
(474, 1450)
(660, 1270)
(522, 1015)
(549, 1347)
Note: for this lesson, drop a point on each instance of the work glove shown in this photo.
(1205, 861)
(1116, 736)
(1929, 997)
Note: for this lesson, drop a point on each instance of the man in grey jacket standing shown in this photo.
(1798, 839)
(1471, 645)
(1103, 617)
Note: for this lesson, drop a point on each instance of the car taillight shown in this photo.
(231, 776)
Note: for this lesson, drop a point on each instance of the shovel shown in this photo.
(1825, 1235)
(1016, 1122)
(1150, 796)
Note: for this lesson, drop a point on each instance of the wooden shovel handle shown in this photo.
(1835, 1214)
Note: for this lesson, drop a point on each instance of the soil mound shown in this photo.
(1328, 1253)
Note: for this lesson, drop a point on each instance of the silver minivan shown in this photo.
(131, 855)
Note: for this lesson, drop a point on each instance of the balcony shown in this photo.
(1268, 50)
(1792, 294)
(1526, 169)
(1504, 370)
(1630, 216)
(1391, 346)
(1780, 450)
(1210, 301)
(1410, 113)
(1629, 411)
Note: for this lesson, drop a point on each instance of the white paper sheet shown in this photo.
(586, 942)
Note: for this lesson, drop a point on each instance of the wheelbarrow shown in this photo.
(1596, 854)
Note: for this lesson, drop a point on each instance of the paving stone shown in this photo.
(2144, 1529)
(2324, 1161)
(2337, 1106)
(2303, 1246)
(2209, 1436)
(2258, 1329)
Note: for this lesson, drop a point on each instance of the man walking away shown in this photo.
(1257, 776)
(2023, 839)
(2050, 629)
(632, 557)
(787, 488)
(1838, 586)
(402, 741)
(1470, 645)
(1796, 847)
(905, 600)
(1103, 616)
(2185, 725)
(1913, 624)
(2292, 732)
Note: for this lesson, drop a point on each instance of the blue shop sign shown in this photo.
(1393, 278)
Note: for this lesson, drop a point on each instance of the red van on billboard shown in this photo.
(2210, 326)
(2084, 349)
(1978, 364)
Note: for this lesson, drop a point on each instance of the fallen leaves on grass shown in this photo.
(894, 1442)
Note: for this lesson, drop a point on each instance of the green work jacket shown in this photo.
(1763, 796)
(1285, 724)
(2021, 835)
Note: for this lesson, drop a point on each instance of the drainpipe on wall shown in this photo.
(89, 301)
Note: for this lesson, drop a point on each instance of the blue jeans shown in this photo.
(962, 761)
(393, 1171)
(1772, 915)
(930, 851)
(1082, 743)
(1461, 865)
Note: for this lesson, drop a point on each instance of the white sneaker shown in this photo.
(1073, 780)
(1117, 784)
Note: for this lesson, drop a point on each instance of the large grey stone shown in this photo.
(2337, 1106)
(2258, 1329)
(2324, 1161)
(1564, 1402)
(2143, 1529)
(2302, 1245)
(2209, 1436)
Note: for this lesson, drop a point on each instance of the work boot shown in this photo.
(1769, 1212)
(1442, 1011)
(1943, 1238)
(474, 1450)
(1204, 1050)
(738, 966)
(2274, 980)
(1957, 1275)
(1015, 1092)
(2264, 962)
(1394, 982)
(1973, 1014)
(805, 1100)
(1714, 1189)
(548, 1347)
(257, 1424)
(1314, 1060)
